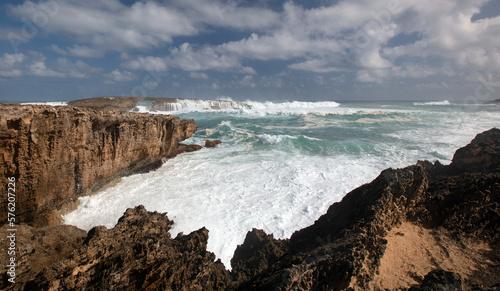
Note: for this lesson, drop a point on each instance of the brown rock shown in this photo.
(57, 154)
(35, 249)
(188, 148)
(212, 143)
(483, 153)
(137, 254)
(256, 254)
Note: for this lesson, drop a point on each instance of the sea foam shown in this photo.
(280, 172)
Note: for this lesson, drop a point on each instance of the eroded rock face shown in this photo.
(35, 249)
(57, 154)
(137, 254)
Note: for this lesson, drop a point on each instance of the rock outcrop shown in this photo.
(126, 103)
(57, 154)
(424, 227)
(137, 254)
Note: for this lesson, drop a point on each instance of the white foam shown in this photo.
(252, 180)
(194, 105)
(293, 107)
(47, 103)
(444, 102)
(230, 191)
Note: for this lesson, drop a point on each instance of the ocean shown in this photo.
(282, 164)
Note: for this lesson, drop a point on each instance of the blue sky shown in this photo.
(60, 50)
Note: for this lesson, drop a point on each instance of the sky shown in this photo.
(310, 50)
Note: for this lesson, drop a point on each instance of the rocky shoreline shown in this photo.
(423, 227)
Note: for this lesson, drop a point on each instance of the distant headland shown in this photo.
(127, 103)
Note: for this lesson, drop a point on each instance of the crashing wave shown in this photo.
(186, 105)
(444, 102)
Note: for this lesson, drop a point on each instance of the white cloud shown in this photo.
(11, 65)
(121, 76)
(78, 69)
(17, 65)
(149, 63)
(248, 80)
(205, 58)
(356, 36)
(111, 25)
(38, 68)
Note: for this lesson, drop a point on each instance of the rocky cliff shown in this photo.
(424, 227)
(57, 154)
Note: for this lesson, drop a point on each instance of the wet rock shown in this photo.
(212, 143)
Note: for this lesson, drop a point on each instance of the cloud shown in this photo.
(189, 59)
(149, 63)
(111, 25)
(377, 40)
(35, 64)
(79, 51)
(228, 14)
(11, 65)
(121, 76)
(78, 69)
(196, 75)
(38, 68)
(144, 25)
(206, 58)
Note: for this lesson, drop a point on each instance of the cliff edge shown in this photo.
(57, 154)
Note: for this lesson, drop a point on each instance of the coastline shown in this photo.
(334, 253)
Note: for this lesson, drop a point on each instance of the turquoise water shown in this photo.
(281, 165)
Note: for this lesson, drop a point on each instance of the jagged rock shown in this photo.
(36, 248)
(257, 253)
(445, 217)
(137, 254)
(482, 154)
(57, 154)
(212, 143)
